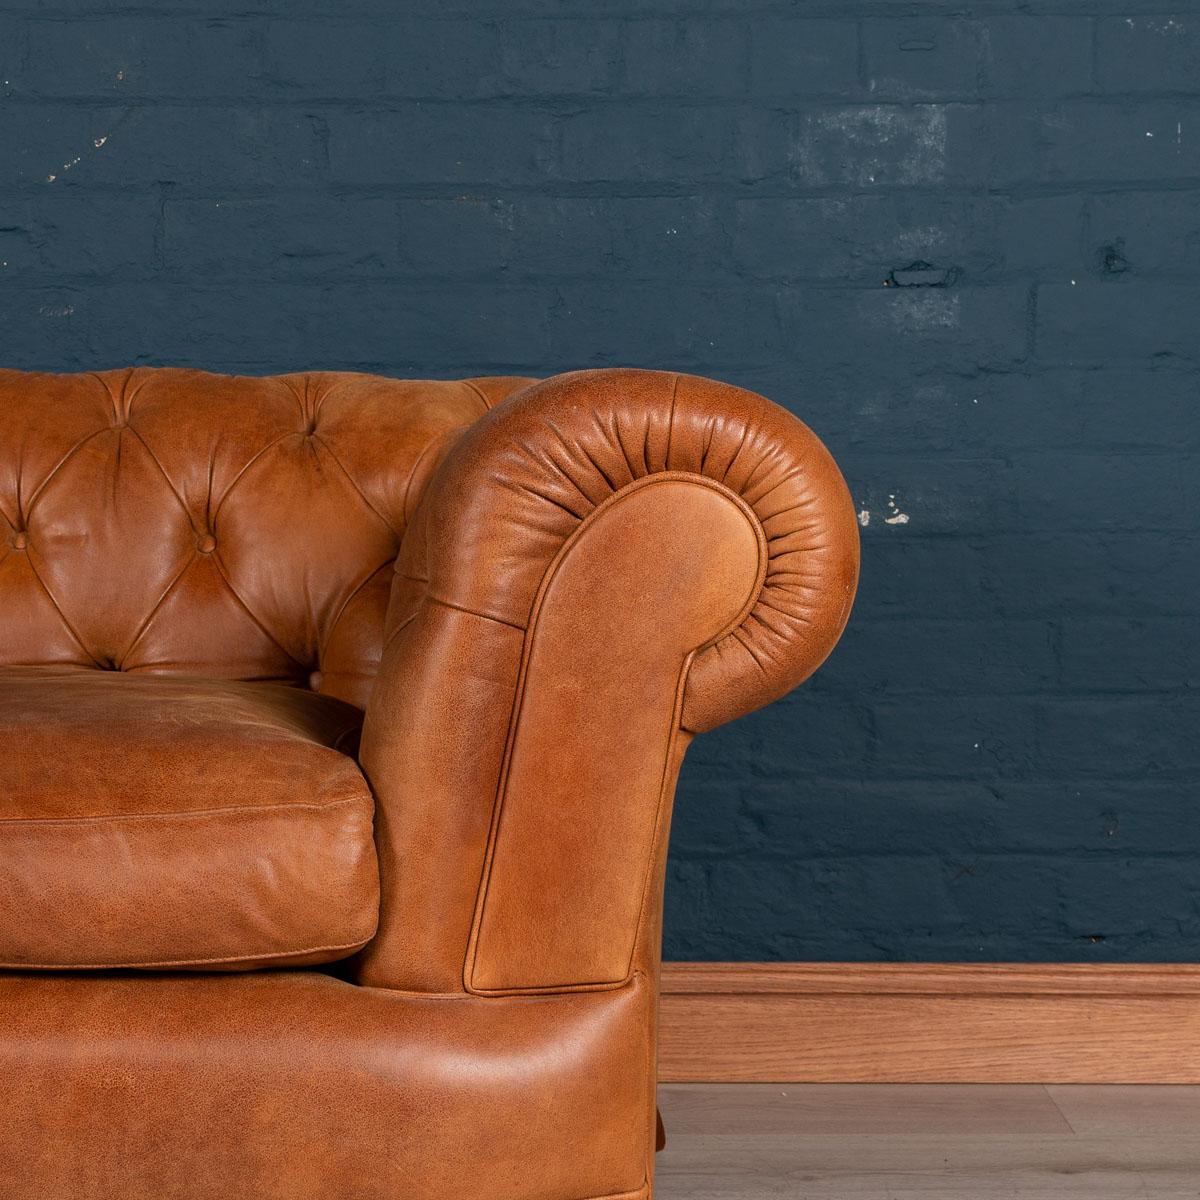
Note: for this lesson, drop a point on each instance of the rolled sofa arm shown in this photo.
(604, 565)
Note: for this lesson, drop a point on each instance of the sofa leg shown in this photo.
(660, 1136)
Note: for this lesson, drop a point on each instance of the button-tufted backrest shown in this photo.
(180, 522)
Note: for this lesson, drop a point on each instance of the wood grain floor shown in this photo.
(936, 1141)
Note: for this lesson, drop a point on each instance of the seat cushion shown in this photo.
(153, 821)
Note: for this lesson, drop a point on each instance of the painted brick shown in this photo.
(952, 57)
(644, 324)
(935, 656)
(932, 495)
(1035, 56)
(923, 328)
(1065, 490)
(576, 237)
(68, 235)
(909, 575)
(1158, 53)
(685, 57)
(1117, 319)
(866, 238)
(835, 817)
(920, 59)
(1119, 900)
(342, 60)
(657, 142)
(457, 59)
(1101, 140)
(998, 761)
(873, 146)
(439, 144)
(791, 56)
(109, 146)
(1130, 654)
(128, 58)
(1145, 233)
(1118, 737)
(1076, 817)
(300, 236)
(963, 737)
(1084, 573)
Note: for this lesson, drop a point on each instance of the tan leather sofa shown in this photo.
(245, 955)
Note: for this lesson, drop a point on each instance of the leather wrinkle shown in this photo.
(113, 866)
(252, 615)
(198, 460)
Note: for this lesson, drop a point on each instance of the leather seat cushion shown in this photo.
(153, 821)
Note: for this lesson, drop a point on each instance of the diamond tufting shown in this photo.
(180, 522)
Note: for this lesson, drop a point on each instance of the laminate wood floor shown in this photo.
(935, 1141)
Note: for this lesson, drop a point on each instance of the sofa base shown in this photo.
(298, 1086)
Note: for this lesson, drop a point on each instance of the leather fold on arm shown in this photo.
(606, 563)
(526, 475)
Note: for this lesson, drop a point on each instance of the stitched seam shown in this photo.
(62, 616)
(166, 478)
(662, 806)
(141, 629)
(58, 466)
(487, 407)
(199, 960)
(430, 446)
(345, 604)
(391, 637)
(139, 633)
(671, 420)
(283, 437)
(96, 818)
(637, 1194)
(249, 612)
(470, 965)
(474, 613)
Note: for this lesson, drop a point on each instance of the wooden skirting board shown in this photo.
(929, 1023)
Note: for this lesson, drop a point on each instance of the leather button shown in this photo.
(207, 544)
(20, 539)
(315, 680)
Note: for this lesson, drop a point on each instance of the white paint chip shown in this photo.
(864, 517)
(897, 517)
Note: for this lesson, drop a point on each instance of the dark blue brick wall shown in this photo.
(1000, 761)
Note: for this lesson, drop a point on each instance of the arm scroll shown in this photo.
(606, 564)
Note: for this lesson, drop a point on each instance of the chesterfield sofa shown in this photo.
(340, 719)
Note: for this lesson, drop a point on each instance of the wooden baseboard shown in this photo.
(930, 1023)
